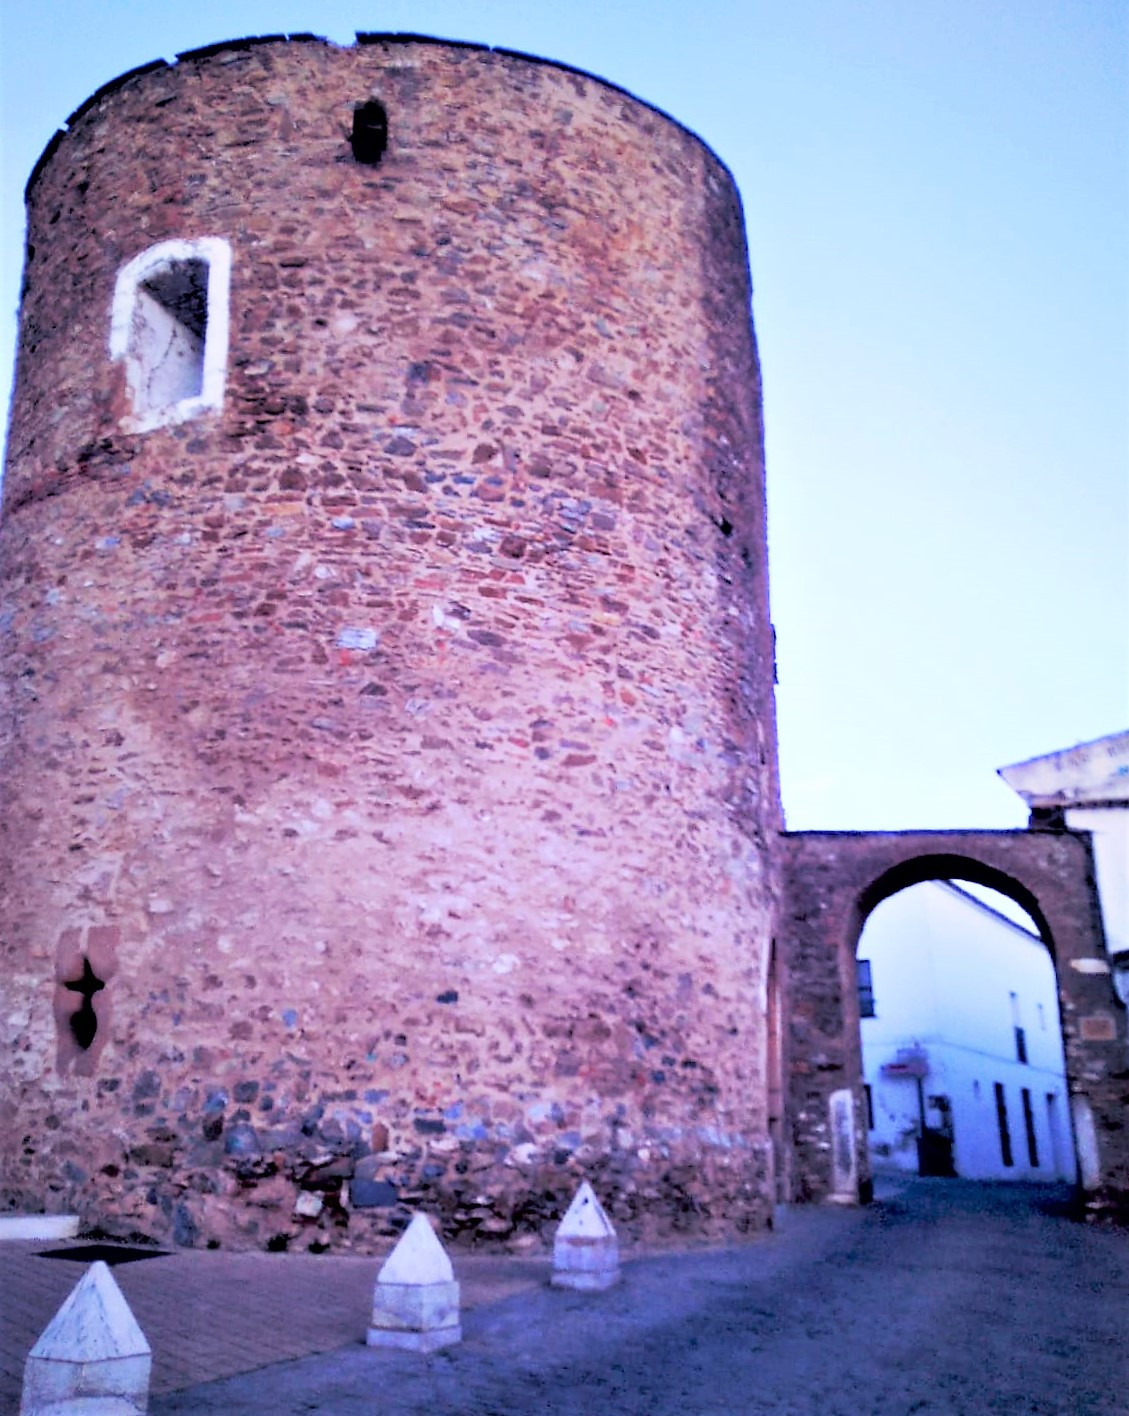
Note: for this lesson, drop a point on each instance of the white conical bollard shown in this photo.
(91, 1357)
(585, 1249)
(415, 1303)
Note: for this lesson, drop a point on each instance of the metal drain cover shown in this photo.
(109, 1253)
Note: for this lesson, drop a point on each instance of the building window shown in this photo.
(868, 1096)
(1029, 1127)
(84, 1021)
(169, 326)
(1001, 1117)
(866, 989)
(369, 137)
(1018, 1029)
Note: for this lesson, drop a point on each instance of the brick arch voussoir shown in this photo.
(918, 869)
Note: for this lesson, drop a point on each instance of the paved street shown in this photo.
(943, 1299)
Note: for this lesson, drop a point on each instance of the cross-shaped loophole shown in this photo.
(84, 1022)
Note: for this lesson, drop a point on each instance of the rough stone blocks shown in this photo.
(387, 750)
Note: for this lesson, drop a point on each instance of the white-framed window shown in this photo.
(169, 325)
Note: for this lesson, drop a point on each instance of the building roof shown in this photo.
(1088, 774)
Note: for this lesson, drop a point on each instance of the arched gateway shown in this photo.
(832, 881)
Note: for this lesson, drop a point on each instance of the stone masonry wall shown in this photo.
(395, 746)
(832, 880)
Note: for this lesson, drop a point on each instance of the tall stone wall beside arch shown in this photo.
(388, 727)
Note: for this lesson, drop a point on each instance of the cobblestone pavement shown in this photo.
(945, 1298)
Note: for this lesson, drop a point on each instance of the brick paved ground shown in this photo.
(209, 1315)
(945, 1298)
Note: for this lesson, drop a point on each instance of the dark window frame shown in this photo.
(369, 137)
(865, 982)
(1006, 1154)
(1029, 1126)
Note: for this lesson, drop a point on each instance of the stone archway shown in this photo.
(832, 881)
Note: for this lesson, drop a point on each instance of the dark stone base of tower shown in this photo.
(386, 735)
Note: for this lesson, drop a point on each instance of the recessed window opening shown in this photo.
(170, 318)
(866, 989)
(1029, 1127)
(1053, 1133)
(84, 1022)
(170, 328)
(1001, 1121)
(369, 137)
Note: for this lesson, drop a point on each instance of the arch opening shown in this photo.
(963, 1062)
(835, 882)
(919, 869)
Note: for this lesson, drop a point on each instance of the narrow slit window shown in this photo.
(369, 137)
(84, 1021)
(1029, 1128)
(1001, 1121)
(865, 988)
(170, 328)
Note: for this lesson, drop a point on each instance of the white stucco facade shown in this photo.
(1089, 784)
(962, 995)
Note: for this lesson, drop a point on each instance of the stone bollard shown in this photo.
(415, 1303)
(91, 1357)
(585, 1249)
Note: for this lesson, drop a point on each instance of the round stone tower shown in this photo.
(387, 753)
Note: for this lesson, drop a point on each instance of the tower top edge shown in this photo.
(364, 39)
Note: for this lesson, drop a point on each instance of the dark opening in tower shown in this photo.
(369, 137)
(168, 334)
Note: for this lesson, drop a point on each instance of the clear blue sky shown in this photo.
(937, 201)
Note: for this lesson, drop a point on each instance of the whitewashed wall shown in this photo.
(1091, 781)
(1109, 827)
(944, 968)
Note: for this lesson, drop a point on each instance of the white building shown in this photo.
(962, 1048)
(1087, 789)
